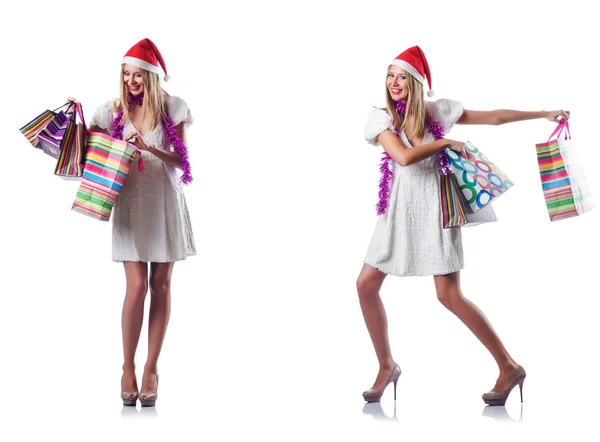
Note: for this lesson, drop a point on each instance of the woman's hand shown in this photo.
(137, 140)
(70, 108)
(457, 146)
(558, 116)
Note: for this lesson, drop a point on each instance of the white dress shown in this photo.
(409, 239)
(150, 218)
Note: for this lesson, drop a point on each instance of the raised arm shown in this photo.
(503, 116)
(405, 156)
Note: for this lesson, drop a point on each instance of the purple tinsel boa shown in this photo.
(170, 133)
(386, 167)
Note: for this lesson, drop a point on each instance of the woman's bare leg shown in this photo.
(160, 310)
(450, 295)
(368, 285)
(136, 274)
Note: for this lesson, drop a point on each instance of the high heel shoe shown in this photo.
(374, 394)
(494, 398)
(149, 399)
(129, 398)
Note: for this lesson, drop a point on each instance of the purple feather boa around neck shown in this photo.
(170, 133)
(386, 167)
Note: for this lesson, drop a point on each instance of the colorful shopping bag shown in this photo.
(107, 163)
(565, 189)
(50, 138)
(456, 211)
(467, 191)
(32, 129)
(478, 178)
(71, 156)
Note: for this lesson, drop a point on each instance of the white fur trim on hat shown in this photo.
(141, 64)
(408, 68)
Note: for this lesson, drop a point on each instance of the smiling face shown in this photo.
(132, 77)
(396, 83)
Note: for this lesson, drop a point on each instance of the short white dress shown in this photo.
(409, 239)
(151, 222)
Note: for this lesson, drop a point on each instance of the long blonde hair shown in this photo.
(155, 97)
(415, 103)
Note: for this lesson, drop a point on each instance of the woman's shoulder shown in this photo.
(446, 111)
(179, 109)
(175, 101)
(377, 122)
(443, 104)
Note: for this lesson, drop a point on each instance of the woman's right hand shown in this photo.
(71, 108)
(457, 146)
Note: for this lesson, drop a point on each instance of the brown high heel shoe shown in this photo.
(374, 394)
(494, 398)
(149, 399)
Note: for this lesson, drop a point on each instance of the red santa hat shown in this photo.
(414, 62)
(144, 54)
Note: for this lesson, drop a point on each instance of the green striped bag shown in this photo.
(107, 163)
(565, 189)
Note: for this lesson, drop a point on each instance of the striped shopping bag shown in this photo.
(32, 129)
(71, 156)
(563, 183)
(456, 210)
(107, 163)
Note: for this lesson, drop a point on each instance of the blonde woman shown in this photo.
(409, 239)
(151, 226)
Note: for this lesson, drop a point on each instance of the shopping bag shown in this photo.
(50, 138)
(456, 211)
(71, 155)
(32, 129)
(107, 163)
(479, 179)
(565, 189)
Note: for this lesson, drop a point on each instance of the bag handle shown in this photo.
(68, 103)
(564, 124)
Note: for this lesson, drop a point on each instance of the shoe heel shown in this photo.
(395, 383)
(521, 390)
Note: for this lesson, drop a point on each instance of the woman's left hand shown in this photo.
(558, 116)
(137, 140)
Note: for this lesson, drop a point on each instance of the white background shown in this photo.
(266, 339)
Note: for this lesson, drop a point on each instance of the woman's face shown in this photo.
(132, 77)
(396, 83)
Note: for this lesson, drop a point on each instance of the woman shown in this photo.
(409, 239)
(151, 225)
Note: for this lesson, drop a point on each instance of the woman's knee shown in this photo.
(367, 287)
(137, 288)
(448, 296)
(160, 285)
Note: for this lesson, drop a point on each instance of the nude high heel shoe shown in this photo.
(499, 398)
(149, 399)
(129, 398)
(374, 394)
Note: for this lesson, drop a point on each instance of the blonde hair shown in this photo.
(415, 104)
(155, 97)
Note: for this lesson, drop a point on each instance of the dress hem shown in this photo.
(388, 271)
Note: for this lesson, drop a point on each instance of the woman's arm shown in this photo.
(170, 157)
(503, 116)
(405, 156)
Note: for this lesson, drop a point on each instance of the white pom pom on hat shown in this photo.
(414, 62)
(144, 54)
